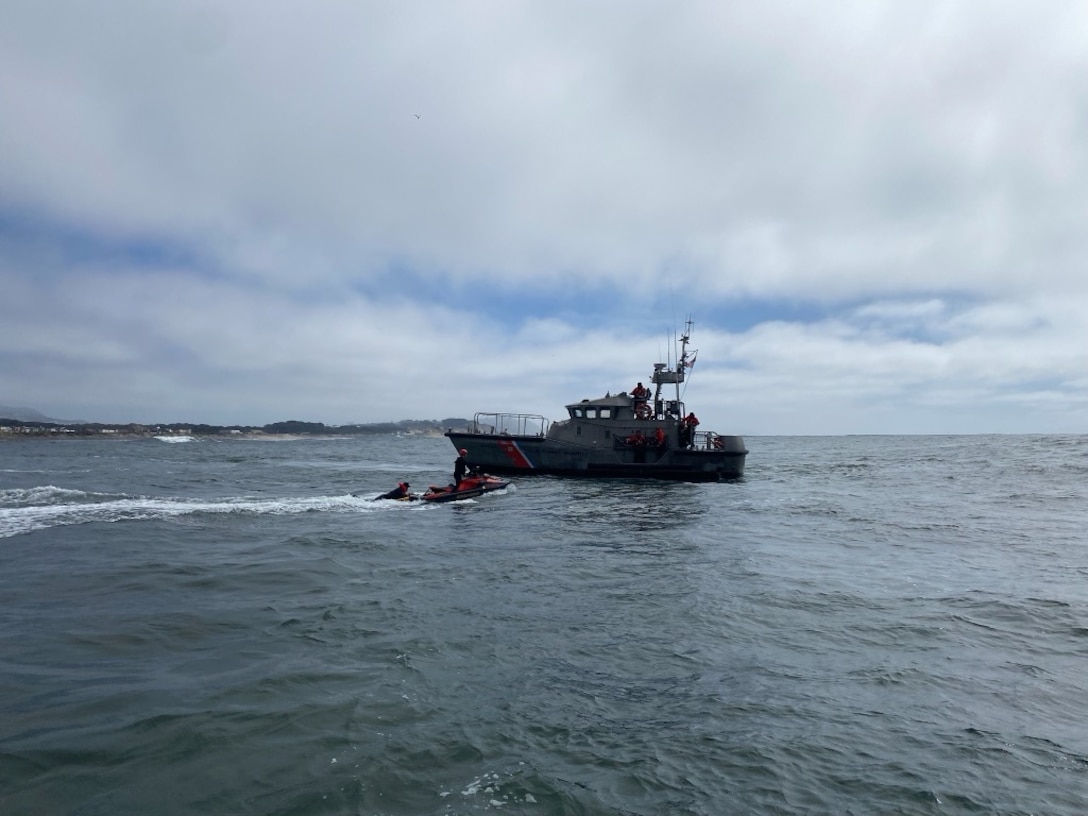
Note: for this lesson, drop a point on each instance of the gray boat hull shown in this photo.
(528, 455)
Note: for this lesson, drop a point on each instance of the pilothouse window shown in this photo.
(591, 413)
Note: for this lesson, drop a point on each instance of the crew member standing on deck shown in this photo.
(687, 430)
(460, 464)
(640, 394)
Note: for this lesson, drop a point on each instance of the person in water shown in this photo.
(398, 492)
(460, 465)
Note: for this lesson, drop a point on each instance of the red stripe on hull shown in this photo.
(514, 454)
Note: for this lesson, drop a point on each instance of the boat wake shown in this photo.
(39, 508)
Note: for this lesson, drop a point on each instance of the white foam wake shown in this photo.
(24, 511)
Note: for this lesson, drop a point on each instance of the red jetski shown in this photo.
(470, 487)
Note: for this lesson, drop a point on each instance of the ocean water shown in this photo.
(863, 625)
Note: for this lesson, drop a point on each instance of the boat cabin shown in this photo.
(623, 422)
(624, 407)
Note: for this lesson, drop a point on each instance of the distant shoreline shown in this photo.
(258, 436)
(292, 429)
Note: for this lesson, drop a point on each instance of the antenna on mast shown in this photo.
(684, 363)
(684, 339)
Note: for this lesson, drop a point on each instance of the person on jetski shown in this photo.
(460, 464)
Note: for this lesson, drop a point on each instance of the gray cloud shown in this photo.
(915, 169)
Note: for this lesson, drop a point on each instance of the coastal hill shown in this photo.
(8, 412)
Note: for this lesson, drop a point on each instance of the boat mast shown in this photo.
(663, 375)
(682, 363)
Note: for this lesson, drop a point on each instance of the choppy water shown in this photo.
(863, 625)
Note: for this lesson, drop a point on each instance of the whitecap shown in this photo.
(45, 495)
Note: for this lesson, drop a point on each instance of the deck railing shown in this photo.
(707, 440)
(512, 424)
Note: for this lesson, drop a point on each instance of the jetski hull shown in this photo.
(469, 488)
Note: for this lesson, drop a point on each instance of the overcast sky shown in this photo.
(241, 212)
